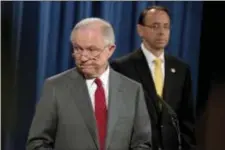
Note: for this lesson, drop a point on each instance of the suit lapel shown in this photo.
(145, 76)
(168, 84)
(169, 73)
(79, 93)
(115, 99)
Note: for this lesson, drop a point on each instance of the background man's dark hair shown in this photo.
(142, 16)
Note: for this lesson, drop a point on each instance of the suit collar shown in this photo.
(103, 77)
(79, 93)
(146, 79)
(115, 101)
(149, 56)
(170, 69)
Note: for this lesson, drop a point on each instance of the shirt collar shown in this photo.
(103, 77)
(149, 56)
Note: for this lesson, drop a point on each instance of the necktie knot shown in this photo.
(157, 61)
(98, 82)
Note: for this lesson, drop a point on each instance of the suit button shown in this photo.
(159, 148)
(161, 126)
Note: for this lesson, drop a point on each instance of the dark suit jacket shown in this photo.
(177, 93)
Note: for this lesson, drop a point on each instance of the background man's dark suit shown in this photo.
(177, 93)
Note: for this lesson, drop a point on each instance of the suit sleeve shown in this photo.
(141, 137)
(43, 128)
(186, 115)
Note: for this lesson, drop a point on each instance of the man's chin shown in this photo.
(86, 70)
(160, 46)
(88, 73)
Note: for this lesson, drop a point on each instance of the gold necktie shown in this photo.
(158, 76)
(158, 79)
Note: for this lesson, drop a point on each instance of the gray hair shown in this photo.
(107, 29)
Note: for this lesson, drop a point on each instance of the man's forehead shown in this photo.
(153, 12)
(157, 15)
(88, 32)
(86, 36)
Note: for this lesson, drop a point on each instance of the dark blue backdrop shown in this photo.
(40, 46)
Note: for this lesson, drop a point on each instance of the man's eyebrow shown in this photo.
(93, 46)
(159, 23)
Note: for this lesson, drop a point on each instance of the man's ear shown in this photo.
(112, 48)
(140, 30)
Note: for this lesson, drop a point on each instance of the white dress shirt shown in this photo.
(150, 60)
(92, 86)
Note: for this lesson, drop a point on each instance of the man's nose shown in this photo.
(162, 31)
(83, 58)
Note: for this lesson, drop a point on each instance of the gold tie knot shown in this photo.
(157, 61)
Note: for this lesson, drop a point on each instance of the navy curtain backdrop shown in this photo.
(37, 39)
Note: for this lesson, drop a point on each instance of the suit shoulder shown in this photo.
(61, 77)
(179, 62)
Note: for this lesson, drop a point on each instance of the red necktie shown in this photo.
(100, 113)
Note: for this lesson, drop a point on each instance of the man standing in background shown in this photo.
(164, 79)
